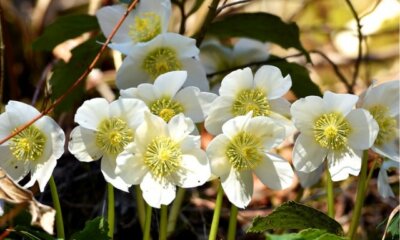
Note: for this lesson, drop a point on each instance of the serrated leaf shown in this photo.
(96, 228)
(65, 74)
(292, 215)
(264, 27)
(302, 85)
(65, 28)
(32, 234)
(394, 226)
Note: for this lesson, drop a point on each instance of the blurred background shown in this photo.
(326, 26)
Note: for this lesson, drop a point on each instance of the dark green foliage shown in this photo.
(261, 26)
(292, 215)
(307, 234)
(65, 28)
(96, 228)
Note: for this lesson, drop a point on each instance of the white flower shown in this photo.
(216, 57)
(165, 98)
(331, 128)
(162, 157)
(242, 150)
(103, 132)
(35, 149)
(149, 19)
(382, 102)
(166, 52)
(240, 93)
(384, 188)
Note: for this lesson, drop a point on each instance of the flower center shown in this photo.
(161, 60)
(387, 124)
(331, 131)
(244, 151)
(28, 144)
(163, 156)
(113, 135)
(145, 27)
(251, 100)
(166, 108)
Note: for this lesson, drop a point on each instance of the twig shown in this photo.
(360, 39)
(181, 7)
(372, 9)
(342, 78)
(79, 80)
(212, 12)
(226, 5)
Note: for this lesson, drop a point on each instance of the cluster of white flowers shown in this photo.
(148, 137)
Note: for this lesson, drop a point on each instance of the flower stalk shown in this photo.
(147, 225)
(163, 222)
(232, 223)
(110, 210)
(217, 213)
(57, 206)
(330, 195)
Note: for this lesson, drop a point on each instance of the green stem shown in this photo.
(147, 223)
(330, 195)
(140, 206)
(163, 222)
(371, 171)
(175, 210)
(217, 213)
(232, 223)
(362, 181)
(110, 210)
(57, 206)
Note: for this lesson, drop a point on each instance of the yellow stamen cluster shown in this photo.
(331, 131)
(28, 144)
(251, 100)
(113, 134)
(166, 108)
(387, 124)
(163, 156)
(161, 60)
(145, 27)
(244, 151)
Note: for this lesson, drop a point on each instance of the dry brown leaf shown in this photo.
(42, 215)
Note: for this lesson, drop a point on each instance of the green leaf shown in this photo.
(393, 227)
(31, 233)
(307, 234)
(65, 74)
(65, 28)
(292, 215)
(302, 85)
(261, 26)
(96, 228)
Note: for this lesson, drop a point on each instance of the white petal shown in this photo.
(108, 167)
(194, 170)
(20, 113)
(311, 178)
(236, 81)
(124, 47)
(341, 164)
(281, 106)
(185, 46)
(161, 7)
(389, 150)
(6, 125)
(238, 187)
(157, 192)
(146, 93)
(168, 84)
(275, 172)
(206, 99)
(130, 73)
(42, 173)
(290, 129)
(16, 169)
(196, 74)
(364, 129)
(92, 112)
(189, 99)
(220, 165)
(247, 50)
(307, 154)
(269, 131)
(214, 56)
(130, 168)
(189, 143)
(179, 127)
(219, 114)
(337, 102)
(131, 110)
(82, 145)
(386, 94)
(235, 125)
(109, 16)
(270, 80)
(305, 111)
(383, 185)
(152, 127)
